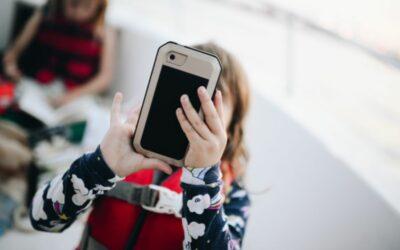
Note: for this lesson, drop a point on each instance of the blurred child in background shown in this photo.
(68, 51)
(66, 40)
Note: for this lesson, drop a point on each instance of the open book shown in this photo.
(34, 99)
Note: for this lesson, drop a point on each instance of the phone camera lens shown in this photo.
(172, 57)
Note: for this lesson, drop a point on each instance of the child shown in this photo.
(66, 39)
(213, 216)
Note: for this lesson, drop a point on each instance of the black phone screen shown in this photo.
(162, 133)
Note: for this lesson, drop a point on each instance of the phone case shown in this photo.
(201, 63)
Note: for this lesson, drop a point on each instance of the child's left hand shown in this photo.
(116, 146)
(207, 139)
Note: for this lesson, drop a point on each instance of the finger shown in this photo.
(219, 105)
(194, 118)
(149, 163)
(133, 115)
(212, 118)
(116, 109)
(130, 128)
(187, 128)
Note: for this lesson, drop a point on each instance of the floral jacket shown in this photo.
(210, 220)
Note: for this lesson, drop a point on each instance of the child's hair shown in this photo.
(56, 8)
(233, 84)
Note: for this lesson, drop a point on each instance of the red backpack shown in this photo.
(112, 221)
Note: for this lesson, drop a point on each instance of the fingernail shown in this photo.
(118, 95)
(184, 98)
(178, 111)
(202, 90)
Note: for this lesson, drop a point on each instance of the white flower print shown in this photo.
(239, 194)
(187, 238)
(99, 189)
(196, 230)
(55, 228)
(191, 177)
(198, 203)
(84, 208)
(82, 194)
(225, 227)
(236, 221)
(37, 208)
(55, 192)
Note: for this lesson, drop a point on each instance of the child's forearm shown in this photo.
(100, 82)
(56, 205)
(203, 218)
(27, 34)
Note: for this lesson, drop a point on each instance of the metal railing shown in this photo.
(291, 19)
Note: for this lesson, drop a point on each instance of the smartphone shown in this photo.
(177, 70)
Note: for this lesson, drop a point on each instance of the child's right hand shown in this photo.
(10, 66)
(207, 139)
(116, 146)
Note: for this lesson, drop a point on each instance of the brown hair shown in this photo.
(55, 8)
(233, 84)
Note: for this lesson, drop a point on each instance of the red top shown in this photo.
(66, 50)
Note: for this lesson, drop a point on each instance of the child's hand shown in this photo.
(64, 99)
(116, 146)
(207, 140)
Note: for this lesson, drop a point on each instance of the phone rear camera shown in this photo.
(172, 57)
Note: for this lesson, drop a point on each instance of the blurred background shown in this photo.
(324, 128)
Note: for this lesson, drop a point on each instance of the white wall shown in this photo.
(136, 51)
(314, 201)
(6, 15)
(137, 46)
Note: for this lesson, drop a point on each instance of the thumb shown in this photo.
(156, 164)
(116, 109)
(133, 115)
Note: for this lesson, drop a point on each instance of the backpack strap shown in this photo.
(128, 192)
(134, 194)
(88, 242)
(158, 178)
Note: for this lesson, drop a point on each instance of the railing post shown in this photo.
(289, 69)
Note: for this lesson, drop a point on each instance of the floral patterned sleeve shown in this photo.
(57, 204)
(210, 221)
